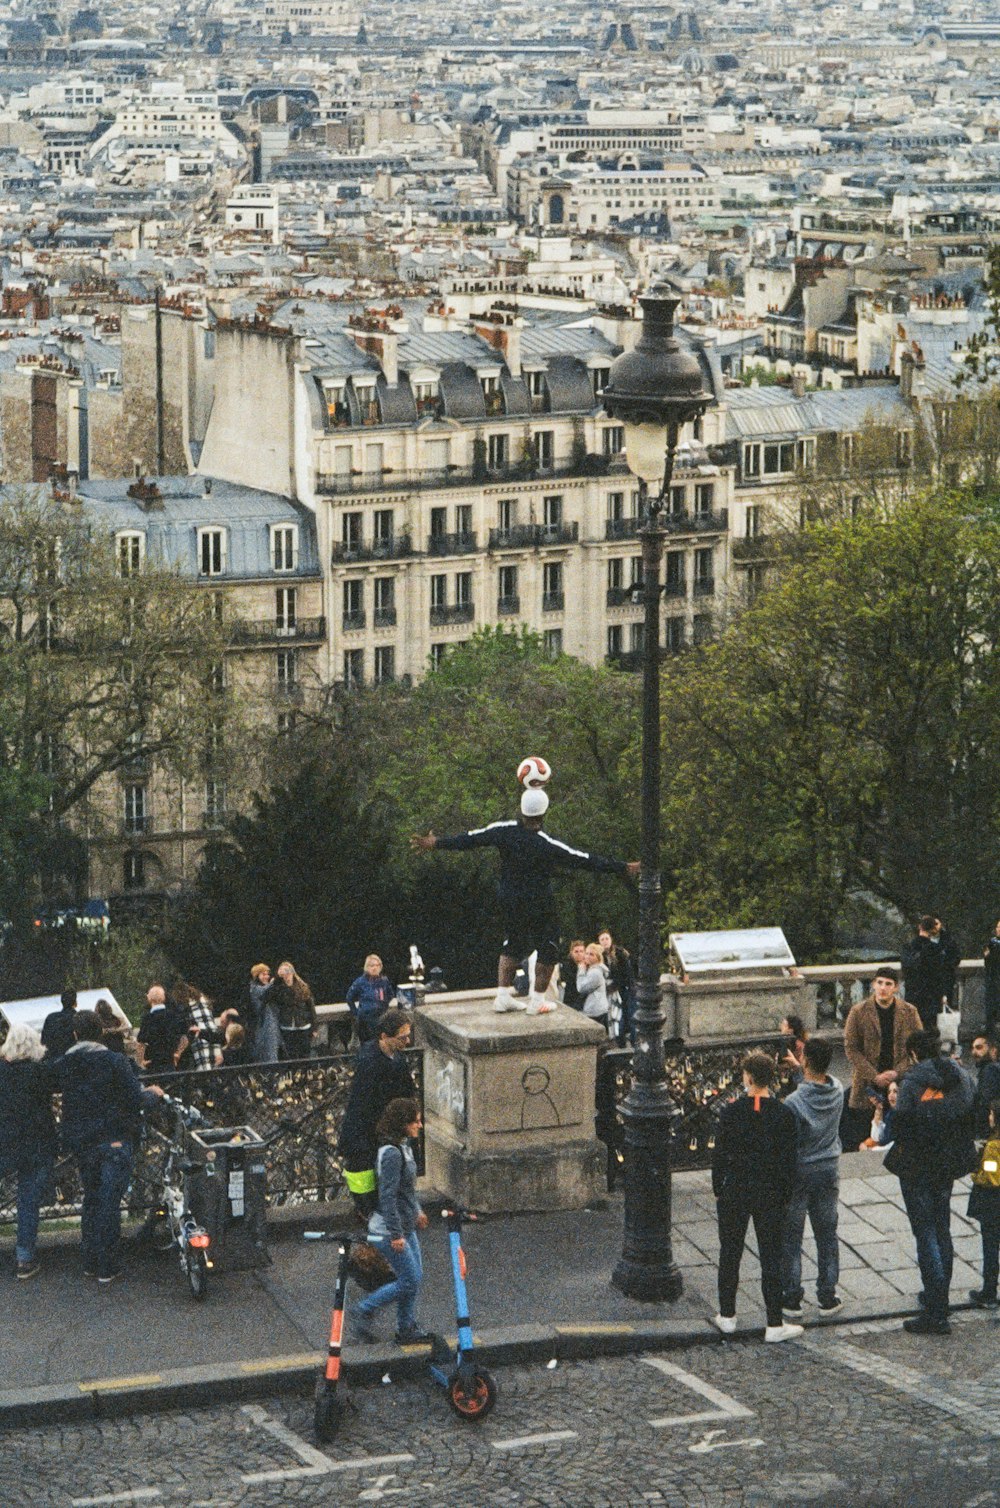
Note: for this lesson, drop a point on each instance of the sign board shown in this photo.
(732, 952)
(33, 1012)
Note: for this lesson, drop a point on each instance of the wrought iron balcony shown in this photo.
(138, 823)
(675, 588)
(359, 483)
(508, 607)
(458, 612)
(709, 521)
(704, 586)
(531, 536)
(462, 543)
(300, 630)
(385, 617)
(553, 602)
(624, 596)
(394, 548)
(622, 528)
(754, 547)
(354, 620)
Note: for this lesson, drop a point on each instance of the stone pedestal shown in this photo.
(735, 1005)
(509, 1107)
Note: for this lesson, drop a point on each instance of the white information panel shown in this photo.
(752, 948)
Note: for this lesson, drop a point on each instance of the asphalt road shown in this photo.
(862, 1415)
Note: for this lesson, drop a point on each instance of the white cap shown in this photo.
(534, 803)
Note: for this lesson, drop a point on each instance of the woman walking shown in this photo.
(296, 1012)
(27, 1134)
(393, 1227)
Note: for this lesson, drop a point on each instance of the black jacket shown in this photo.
(991, 971)
(528, 860)
(378, 1078)
(934, 1142)
(26, 1122)
(57, 1032)
(102, 1098)
(987, 1090)
(159, 1032)
(756, 1149)
(929, 970)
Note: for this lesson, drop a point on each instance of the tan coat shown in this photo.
(863, 1043)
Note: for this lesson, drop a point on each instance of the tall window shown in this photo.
(384, 528)
(616, 506)
(215, 803)
(552, 514)
(552, 586)
(134, 871)
(615, 574)
(552, 642)
(613, 440)
(131, 551)
(497, 452)
(463, 518)
(134, 797)
(507, 588)
(285, 610)
(439, 522)
(704, 497)
(287, 667)
(284, 542)
(351, 530)
(439, 591)
(463, 589)
(385, 601)
(754, 515)
(615, 640)
(507, 513)
(438, 652)
(545, 449)
(211, 552)
(354, 604)
(354, 667)
(385, 664)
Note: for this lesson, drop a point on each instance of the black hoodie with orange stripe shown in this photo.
(756, 1144)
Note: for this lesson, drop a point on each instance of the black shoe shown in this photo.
(833, 1307)
(414, 1337)
(109, 1277)
(922, 1324)
(977, 1296)
(28, 1269)
(791, 1310)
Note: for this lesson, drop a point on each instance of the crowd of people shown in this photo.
(778, 1146)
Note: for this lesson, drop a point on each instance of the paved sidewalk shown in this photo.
(538, 1284)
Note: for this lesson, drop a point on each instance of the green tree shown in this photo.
(842, 739)
(98, 671)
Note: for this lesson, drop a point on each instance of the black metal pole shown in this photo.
(646, 1269)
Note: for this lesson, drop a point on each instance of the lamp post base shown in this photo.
(650, 1282)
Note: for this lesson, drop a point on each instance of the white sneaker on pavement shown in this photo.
(539, 1006)
(504, 1001)
(725, 1322)
(776, 1333)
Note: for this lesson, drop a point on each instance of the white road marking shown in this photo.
(914, 1384)
(724, 1407)
(316, 1464)
(709, 1442)
(379, 1490)
(137, 1495)
(522, 1442)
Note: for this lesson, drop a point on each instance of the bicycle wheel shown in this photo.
(327, 1412)
(473, 1395)
(197, 1274)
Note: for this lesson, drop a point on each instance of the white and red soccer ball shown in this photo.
(533, 772)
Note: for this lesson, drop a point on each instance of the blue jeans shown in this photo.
(409, 1269)
(33, 1170)
(929, 1208)
(816, 1194)
(105, 1170)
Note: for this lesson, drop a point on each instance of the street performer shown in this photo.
(528, 859)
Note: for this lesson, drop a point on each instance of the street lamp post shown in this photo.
(653, 390)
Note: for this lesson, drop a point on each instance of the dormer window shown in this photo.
(538, 389)
(599, 379)
(336, 402)
(427, 396)
(492, 396)
(284, 546)
(368, 403)
(211, 552)
(131, 552)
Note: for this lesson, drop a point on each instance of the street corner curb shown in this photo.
(45, 1405)
(625, 1337)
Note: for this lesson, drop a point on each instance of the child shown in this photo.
(882, 1134)
(235, 1050)
(984, 1206)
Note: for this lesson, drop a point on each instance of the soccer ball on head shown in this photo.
(533, 772)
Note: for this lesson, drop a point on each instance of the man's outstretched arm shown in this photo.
(478, 837)
(577, 858)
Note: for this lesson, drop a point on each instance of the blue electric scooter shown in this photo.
(471, 1390)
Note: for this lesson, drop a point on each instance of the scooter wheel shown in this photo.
(328, 1412)
(473, 1395)
(197, 1273)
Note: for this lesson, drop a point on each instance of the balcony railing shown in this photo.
(385, 617)
(675, 589)
(531, 536)
(553, 602)
(458, 612)
(709, 521)
(621, 528)
(508, 607)
(337, 484)
(393, 548)
(354, 620)
(755, 547)
(301, 630)
(632, 659)
(624, 596)
(462, 543)
(704, 586)
(137, 823)
(288, 691)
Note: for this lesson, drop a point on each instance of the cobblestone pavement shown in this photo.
(863, 1415)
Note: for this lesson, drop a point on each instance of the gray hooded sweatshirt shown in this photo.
(817, 1109)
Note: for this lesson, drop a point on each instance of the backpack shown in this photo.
(987, 1175)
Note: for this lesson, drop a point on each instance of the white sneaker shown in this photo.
(776, 1333)
(505, 1001)
(539, 1006)
(726, 1323)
